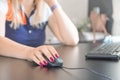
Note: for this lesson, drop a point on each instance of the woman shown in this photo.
(24, 24)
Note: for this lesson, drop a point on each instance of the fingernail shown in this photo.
(52, 59)
(56, 55)
(45, 62)
(41, 65)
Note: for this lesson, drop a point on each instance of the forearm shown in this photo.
(67, 29)
(12, 49)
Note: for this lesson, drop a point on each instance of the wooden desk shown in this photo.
(15, 69)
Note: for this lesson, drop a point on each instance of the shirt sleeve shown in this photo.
(3, 6)
(47, 13)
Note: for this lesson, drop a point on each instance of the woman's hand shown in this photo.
(36, 54)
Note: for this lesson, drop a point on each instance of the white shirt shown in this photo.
(3, 6)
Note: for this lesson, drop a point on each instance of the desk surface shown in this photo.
(15, 69)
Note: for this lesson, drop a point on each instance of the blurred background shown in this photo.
(79, 10)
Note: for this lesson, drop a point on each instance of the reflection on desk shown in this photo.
(15, 69)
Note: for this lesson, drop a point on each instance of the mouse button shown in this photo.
(59, 60)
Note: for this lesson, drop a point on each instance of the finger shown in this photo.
(47, 53)
(39, 56)
(36, 60)
(53, 51)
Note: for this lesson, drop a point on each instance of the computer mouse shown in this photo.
(57, 64)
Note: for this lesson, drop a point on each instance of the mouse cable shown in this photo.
(90, 70)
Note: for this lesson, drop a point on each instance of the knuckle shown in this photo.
(50, 47)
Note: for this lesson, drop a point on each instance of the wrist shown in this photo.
(51, 3)
(29, 53)
(55, 6)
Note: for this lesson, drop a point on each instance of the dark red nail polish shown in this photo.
(41, 65)
(45, 62)
(52, 59)
(56, 55)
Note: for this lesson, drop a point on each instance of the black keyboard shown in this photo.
(105, 51)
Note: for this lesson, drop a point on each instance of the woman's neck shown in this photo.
(28, 6)
(27, 3)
